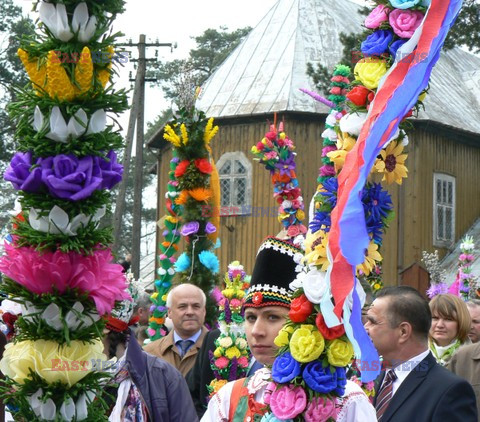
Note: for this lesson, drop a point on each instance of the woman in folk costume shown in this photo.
(143, 387)
(267, 304)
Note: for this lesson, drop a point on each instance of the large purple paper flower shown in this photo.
(111, 170)
(69, 177)
(190, 228)
(286, 165)
(20, 174)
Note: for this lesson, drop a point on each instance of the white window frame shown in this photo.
(439, 239)
(233, 209)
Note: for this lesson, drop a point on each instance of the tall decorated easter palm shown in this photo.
(59, 266)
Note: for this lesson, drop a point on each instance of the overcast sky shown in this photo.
(177, 21)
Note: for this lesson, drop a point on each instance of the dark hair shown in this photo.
(114, 339)
(407, 305)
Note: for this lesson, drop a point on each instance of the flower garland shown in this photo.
(231, 357)
(170, 222)
(310, 369)
(276, 152)
(190, 133)
(58, 266)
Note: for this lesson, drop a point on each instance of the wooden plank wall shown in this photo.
(409, 234)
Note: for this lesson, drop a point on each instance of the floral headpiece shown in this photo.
(276, 266)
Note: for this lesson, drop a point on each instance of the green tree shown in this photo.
(12, 27)
(212, 48)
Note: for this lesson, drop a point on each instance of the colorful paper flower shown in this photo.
(322, 380)
(377, 16)
(49, 272)
(377, 43)
(287, 402)
(209, 260)
(329, 333)
(306, 343)
(339, 352)
(392, 163)
(320, 409)
(405, 22)
(404, 4)
(190, 228)
(53, 362)
(300, 309)
(369, 71)
(285, 368)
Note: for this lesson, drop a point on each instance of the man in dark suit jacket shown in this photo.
(201, 374)
(398, 323)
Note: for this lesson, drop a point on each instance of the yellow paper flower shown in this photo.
(59, 85)
(339, 352)
(217, 384)
(183, 131)
(36, 72)
(369, 71)
(300, 215)
(392, 163)
(316, 249)
(210, 131)
(84, 72)
(53, 362)
(225, 342)
(170, 136)
(306, 344)
(103, 75)
(372, 257)
(283, 337)
(232, 352)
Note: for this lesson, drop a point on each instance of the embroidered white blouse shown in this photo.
(353, 406)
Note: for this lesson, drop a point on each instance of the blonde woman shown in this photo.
(450, 326)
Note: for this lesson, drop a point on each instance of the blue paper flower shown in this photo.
(377, 203)
(270, 417)
(285, 368)
(183, 263)
(318, 378)
(320, 221)
(394, 46)
(341, 381)
(404, 4)
(209, 260)
(377, 43)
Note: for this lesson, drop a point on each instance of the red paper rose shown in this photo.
(328, 333)
(300, 309)
(358, 95)
(203, 165)
(257, 298)
(181, 168)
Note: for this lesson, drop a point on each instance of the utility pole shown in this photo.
(136, 120)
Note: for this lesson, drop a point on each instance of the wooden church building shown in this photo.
(434, 206)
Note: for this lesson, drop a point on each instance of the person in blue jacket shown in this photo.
(144, 387)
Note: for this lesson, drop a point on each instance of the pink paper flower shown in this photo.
(49, 271)
(320, 409)
(405, 22)
(288, 402)
(150, 332)
(243, 361)
(377, 16)
(268, 392)
(221, 362)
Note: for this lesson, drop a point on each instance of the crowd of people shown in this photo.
(430, 354)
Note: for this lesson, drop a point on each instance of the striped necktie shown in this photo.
(385, 394)
(183, 346)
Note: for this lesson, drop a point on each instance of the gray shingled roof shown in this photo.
(264, 73)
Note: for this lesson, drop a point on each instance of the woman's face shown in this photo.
(261, 327)
(443, 330)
